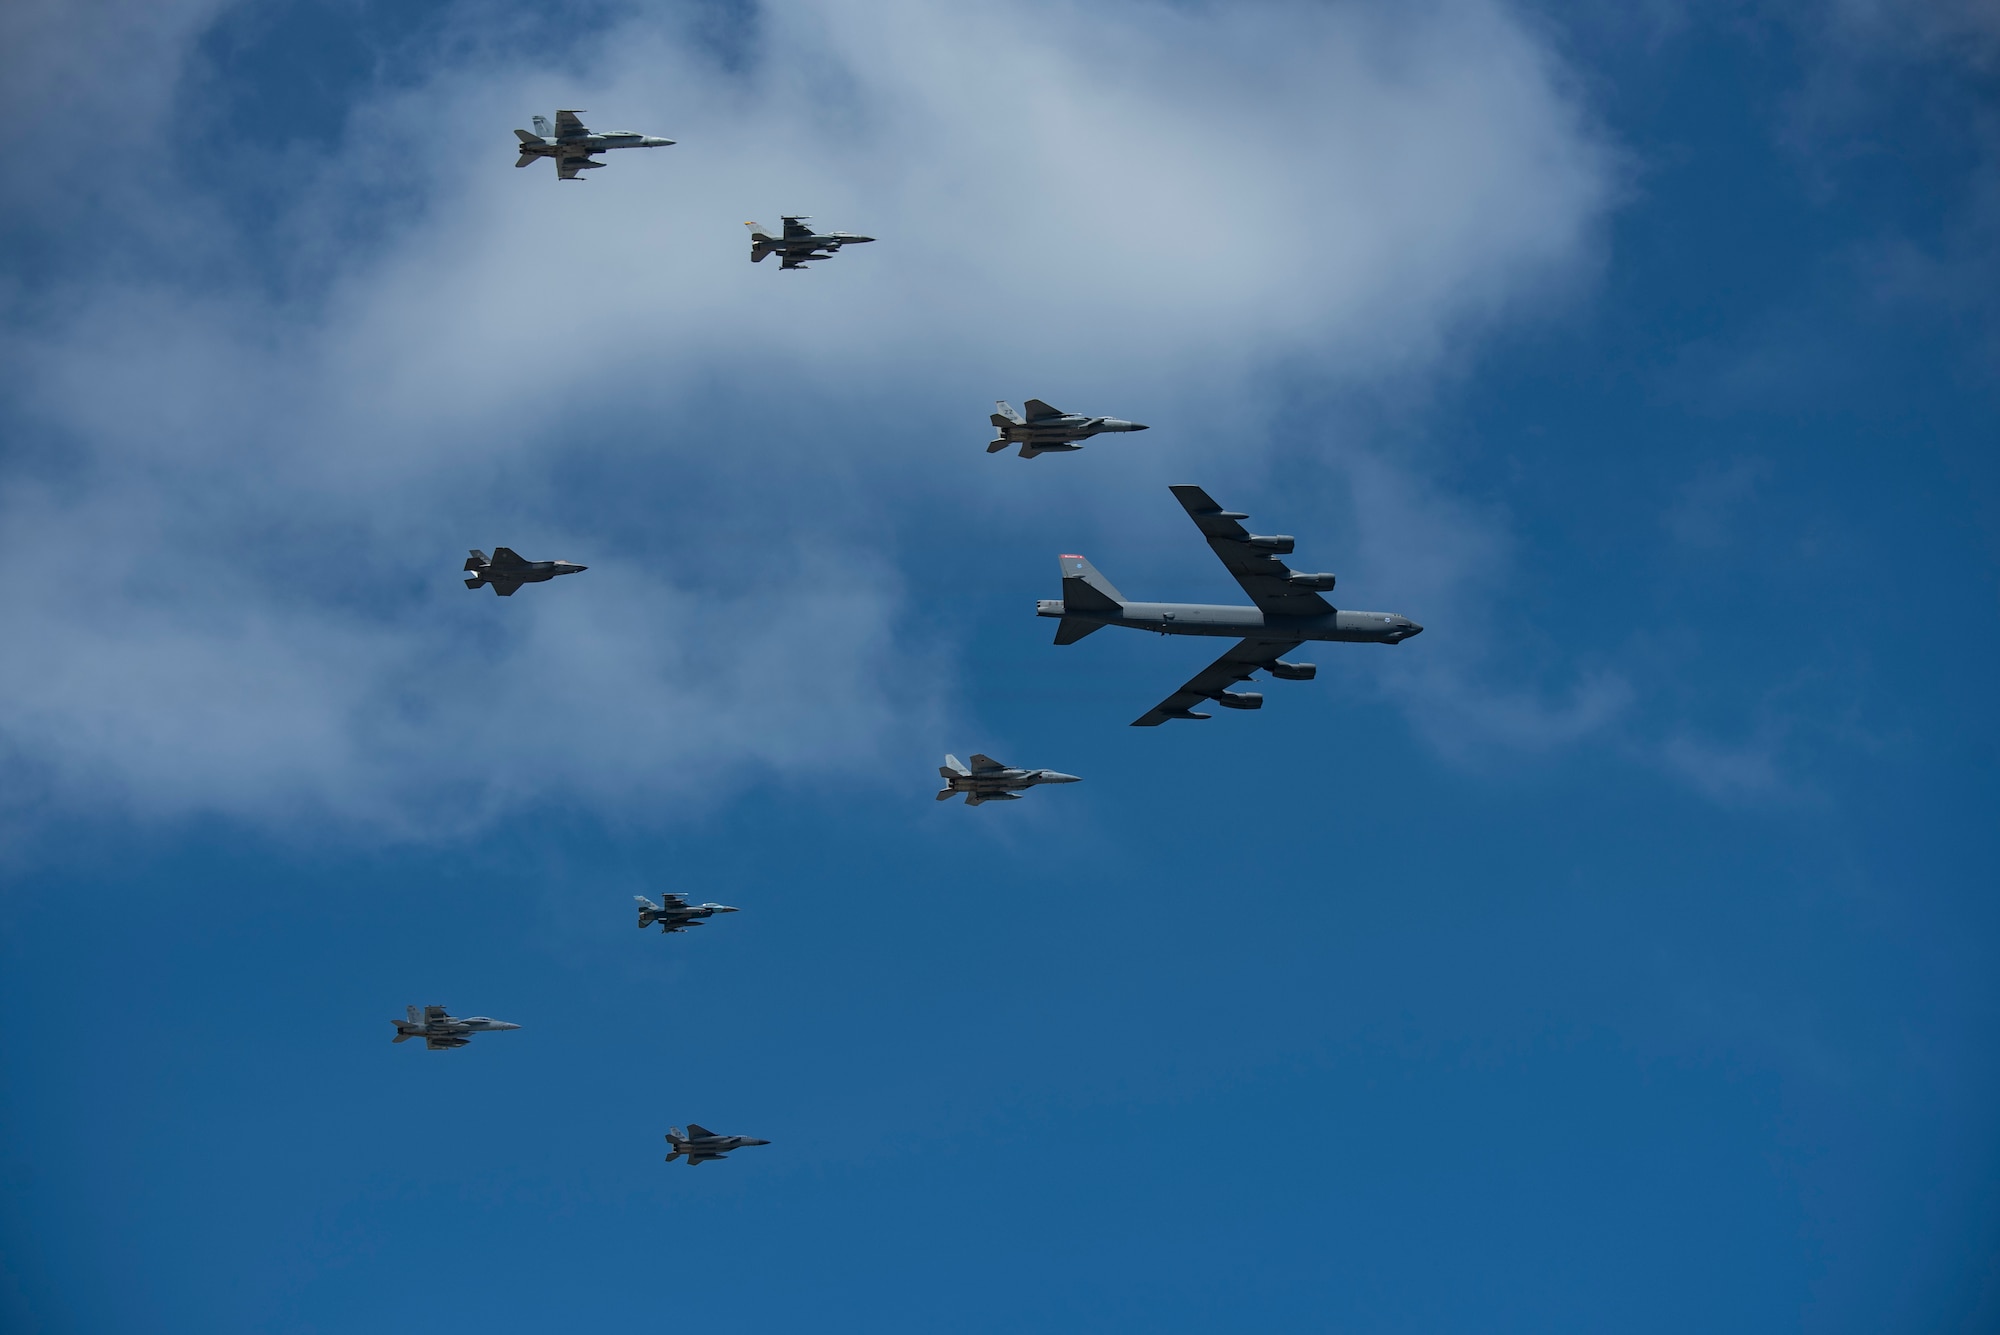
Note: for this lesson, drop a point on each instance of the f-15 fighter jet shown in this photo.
(700, 1144)
(439, 1030)
(571, 144)
(507, 572)
(1046, 430)
(675, 913)
(1288, 612)
(991, 781)
(799, 243)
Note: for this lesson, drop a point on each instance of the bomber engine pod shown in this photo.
(1239, 699)
(1280, 543)
(1284, 671)
(1317, 583)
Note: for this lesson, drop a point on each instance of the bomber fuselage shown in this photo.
(1243, 622)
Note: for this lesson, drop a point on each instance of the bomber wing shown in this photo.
(569, 127)
(1236, 665)
(1263, 576)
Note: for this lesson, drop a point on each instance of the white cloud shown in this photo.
(240, 498)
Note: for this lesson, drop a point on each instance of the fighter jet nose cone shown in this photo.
(1063, 778)
(1137, 426)
(1415, 629)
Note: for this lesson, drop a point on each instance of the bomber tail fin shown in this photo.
(1085, 590)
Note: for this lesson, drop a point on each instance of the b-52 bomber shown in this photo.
(507, 572)
(799, 243)
(440, 1030)
(674, 913)
(989, 780)
(1288, 611)
(1047, 430)
(570, 142)
(700, 1144)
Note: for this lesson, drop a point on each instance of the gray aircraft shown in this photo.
(1046, 430)
(988, 780)
(799, 243)
(507, 572)
(440, 1030)
(571, 143)
(1288, 612)
(700, 1144)
(674, 913)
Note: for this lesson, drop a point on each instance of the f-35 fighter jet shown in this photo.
(507, 572)
(700, 1144)
(439, 1030)
(991, 781)
(1046, 430)
(571, 144)
(799, 243)
(1288, 612)
(675, 913)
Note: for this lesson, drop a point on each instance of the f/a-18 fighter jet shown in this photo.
(1288, 611)
(799, 243)
(440, 1030)
(1046, 430)
(991, 781)
(571, 143)
(674, 913)
(700, 1144)
(507, 572)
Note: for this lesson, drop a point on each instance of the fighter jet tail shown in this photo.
(994, 447)
(524, 160)
(1007, 414)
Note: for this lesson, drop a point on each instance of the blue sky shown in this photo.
(1618, 955)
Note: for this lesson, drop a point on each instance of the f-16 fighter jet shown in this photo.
(799, 243)
(571, 144)
(1288, 612)
(1046, 430)
(675, 913)
(507, 572)
(700, 1144)
(991, 781)
(439, 1030)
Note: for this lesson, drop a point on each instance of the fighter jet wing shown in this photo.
(567, 168)
(435, 1013)
(568, 126)
(796, 261)
(1263, 576)
(796, 228)
(443, 1044)
(1224, 672)
(506, 588)
(669, 900)
(506, 558)
(1036, 410)
(987, 765)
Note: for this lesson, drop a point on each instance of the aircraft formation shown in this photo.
(1286, 609)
